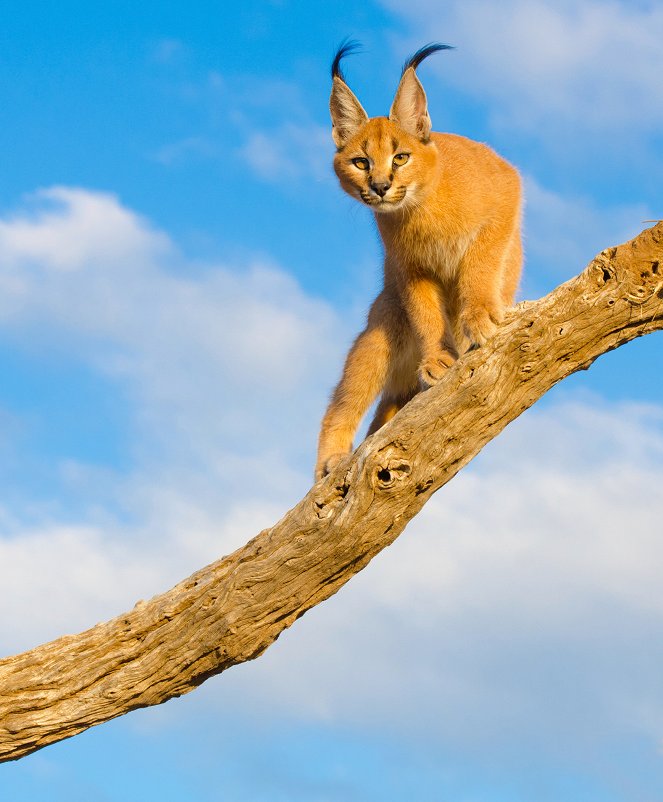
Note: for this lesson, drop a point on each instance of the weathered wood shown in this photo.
(232, 610)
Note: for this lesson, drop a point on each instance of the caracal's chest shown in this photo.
(433, 250)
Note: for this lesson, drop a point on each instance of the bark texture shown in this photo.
(232, 610)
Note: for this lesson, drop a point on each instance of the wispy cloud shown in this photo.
(290, 151)
(280, 139)
(562, 233)
(553, 67)
(193, 147)
(167, 51)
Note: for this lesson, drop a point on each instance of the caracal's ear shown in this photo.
(410, 108)
(347, 112)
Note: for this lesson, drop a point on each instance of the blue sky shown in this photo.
(180, 277)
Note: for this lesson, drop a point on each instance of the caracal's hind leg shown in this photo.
(402, 382)
(512, 267)
(483, 280)
(387, 408)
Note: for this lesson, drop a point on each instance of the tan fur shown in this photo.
(449, 219)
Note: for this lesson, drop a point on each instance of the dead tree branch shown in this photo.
(232, 610)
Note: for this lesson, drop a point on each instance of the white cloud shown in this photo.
(202, 344)
(224, 370)
(62, 578)
(524, 601)
(69, 228)
(555, 67)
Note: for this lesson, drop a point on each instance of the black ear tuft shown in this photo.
(346, 47)
(423, 52)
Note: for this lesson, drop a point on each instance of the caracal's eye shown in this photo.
(361, 164)
(400, 159)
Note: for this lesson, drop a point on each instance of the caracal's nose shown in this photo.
(380, 187)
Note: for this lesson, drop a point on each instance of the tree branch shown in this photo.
(232, 610)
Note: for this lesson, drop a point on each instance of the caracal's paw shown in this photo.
(481, 324)
(433, 368)
(327, 464)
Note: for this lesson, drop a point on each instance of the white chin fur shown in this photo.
(389, 206)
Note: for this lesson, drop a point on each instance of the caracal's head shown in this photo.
(385, 162)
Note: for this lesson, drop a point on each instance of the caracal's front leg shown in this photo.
(424, 307)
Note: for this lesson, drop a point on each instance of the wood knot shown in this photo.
(392, 472)
(325, 503)
(603, 266)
